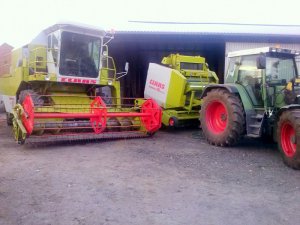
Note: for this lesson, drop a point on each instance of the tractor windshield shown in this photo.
(79, 55)
(280, 67)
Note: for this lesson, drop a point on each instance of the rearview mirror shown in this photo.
(261, 62)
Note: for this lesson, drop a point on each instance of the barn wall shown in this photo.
(140, 50)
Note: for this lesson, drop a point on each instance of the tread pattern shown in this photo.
(236, 118)
(293, 116)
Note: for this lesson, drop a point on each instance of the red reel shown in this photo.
(153, 122)
(98, 108)
(28, 115)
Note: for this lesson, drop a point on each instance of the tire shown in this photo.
(9, 119)
(288, 136)
(222, 118)
(36, 98)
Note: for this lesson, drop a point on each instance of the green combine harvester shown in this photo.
(53, 89)
(177, 88)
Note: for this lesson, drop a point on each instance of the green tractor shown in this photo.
(260, 98)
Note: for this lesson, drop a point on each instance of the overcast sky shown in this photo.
(22, 20)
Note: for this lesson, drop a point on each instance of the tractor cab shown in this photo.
(268, 75)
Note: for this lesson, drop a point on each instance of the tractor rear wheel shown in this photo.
(288, 136)
(222, 118)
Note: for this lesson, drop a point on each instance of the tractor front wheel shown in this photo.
(222, 118)
(288, 136)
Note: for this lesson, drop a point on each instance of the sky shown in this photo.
(22, 20)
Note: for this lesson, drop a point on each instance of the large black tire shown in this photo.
(222, 118)
(288, 136)
(9, 119)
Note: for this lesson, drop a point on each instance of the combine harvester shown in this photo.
(54, 86)
(177, 88)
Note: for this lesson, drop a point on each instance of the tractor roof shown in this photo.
(255, 51)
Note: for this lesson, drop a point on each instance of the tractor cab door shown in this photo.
(250, 77)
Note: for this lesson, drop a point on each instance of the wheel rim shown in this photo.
(288, 139)
(171, 122)
(216, 117)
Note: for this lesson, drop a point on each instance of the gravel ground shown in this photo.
(171, 178)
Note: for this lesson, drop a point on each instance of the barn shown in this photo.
(140, 43)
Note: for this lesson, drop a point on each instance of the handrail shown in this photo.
(34, 62)
(107, 58)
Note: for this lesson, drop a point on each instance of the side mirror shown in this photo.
(126, 67)
(261, 62)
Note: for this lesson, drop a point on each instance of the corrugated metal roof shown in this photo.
(209, 28)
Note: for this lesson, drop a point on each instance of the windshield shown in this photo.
(80, 55)
(280, 68)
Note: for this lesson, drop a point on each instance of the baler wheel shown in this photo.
(288, 138)
(222, 118)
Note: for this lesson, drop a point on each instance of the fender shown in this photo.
(229, 87)
(285, 108)
(239, 91)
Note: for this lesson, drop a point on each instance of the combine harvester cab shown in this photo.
(177, 88)
(54, 89)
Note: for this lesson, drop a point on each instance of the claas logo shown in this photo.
(78, 80)
(157, 84)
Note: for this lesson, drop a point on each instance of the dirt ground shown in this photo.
(171, 178)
